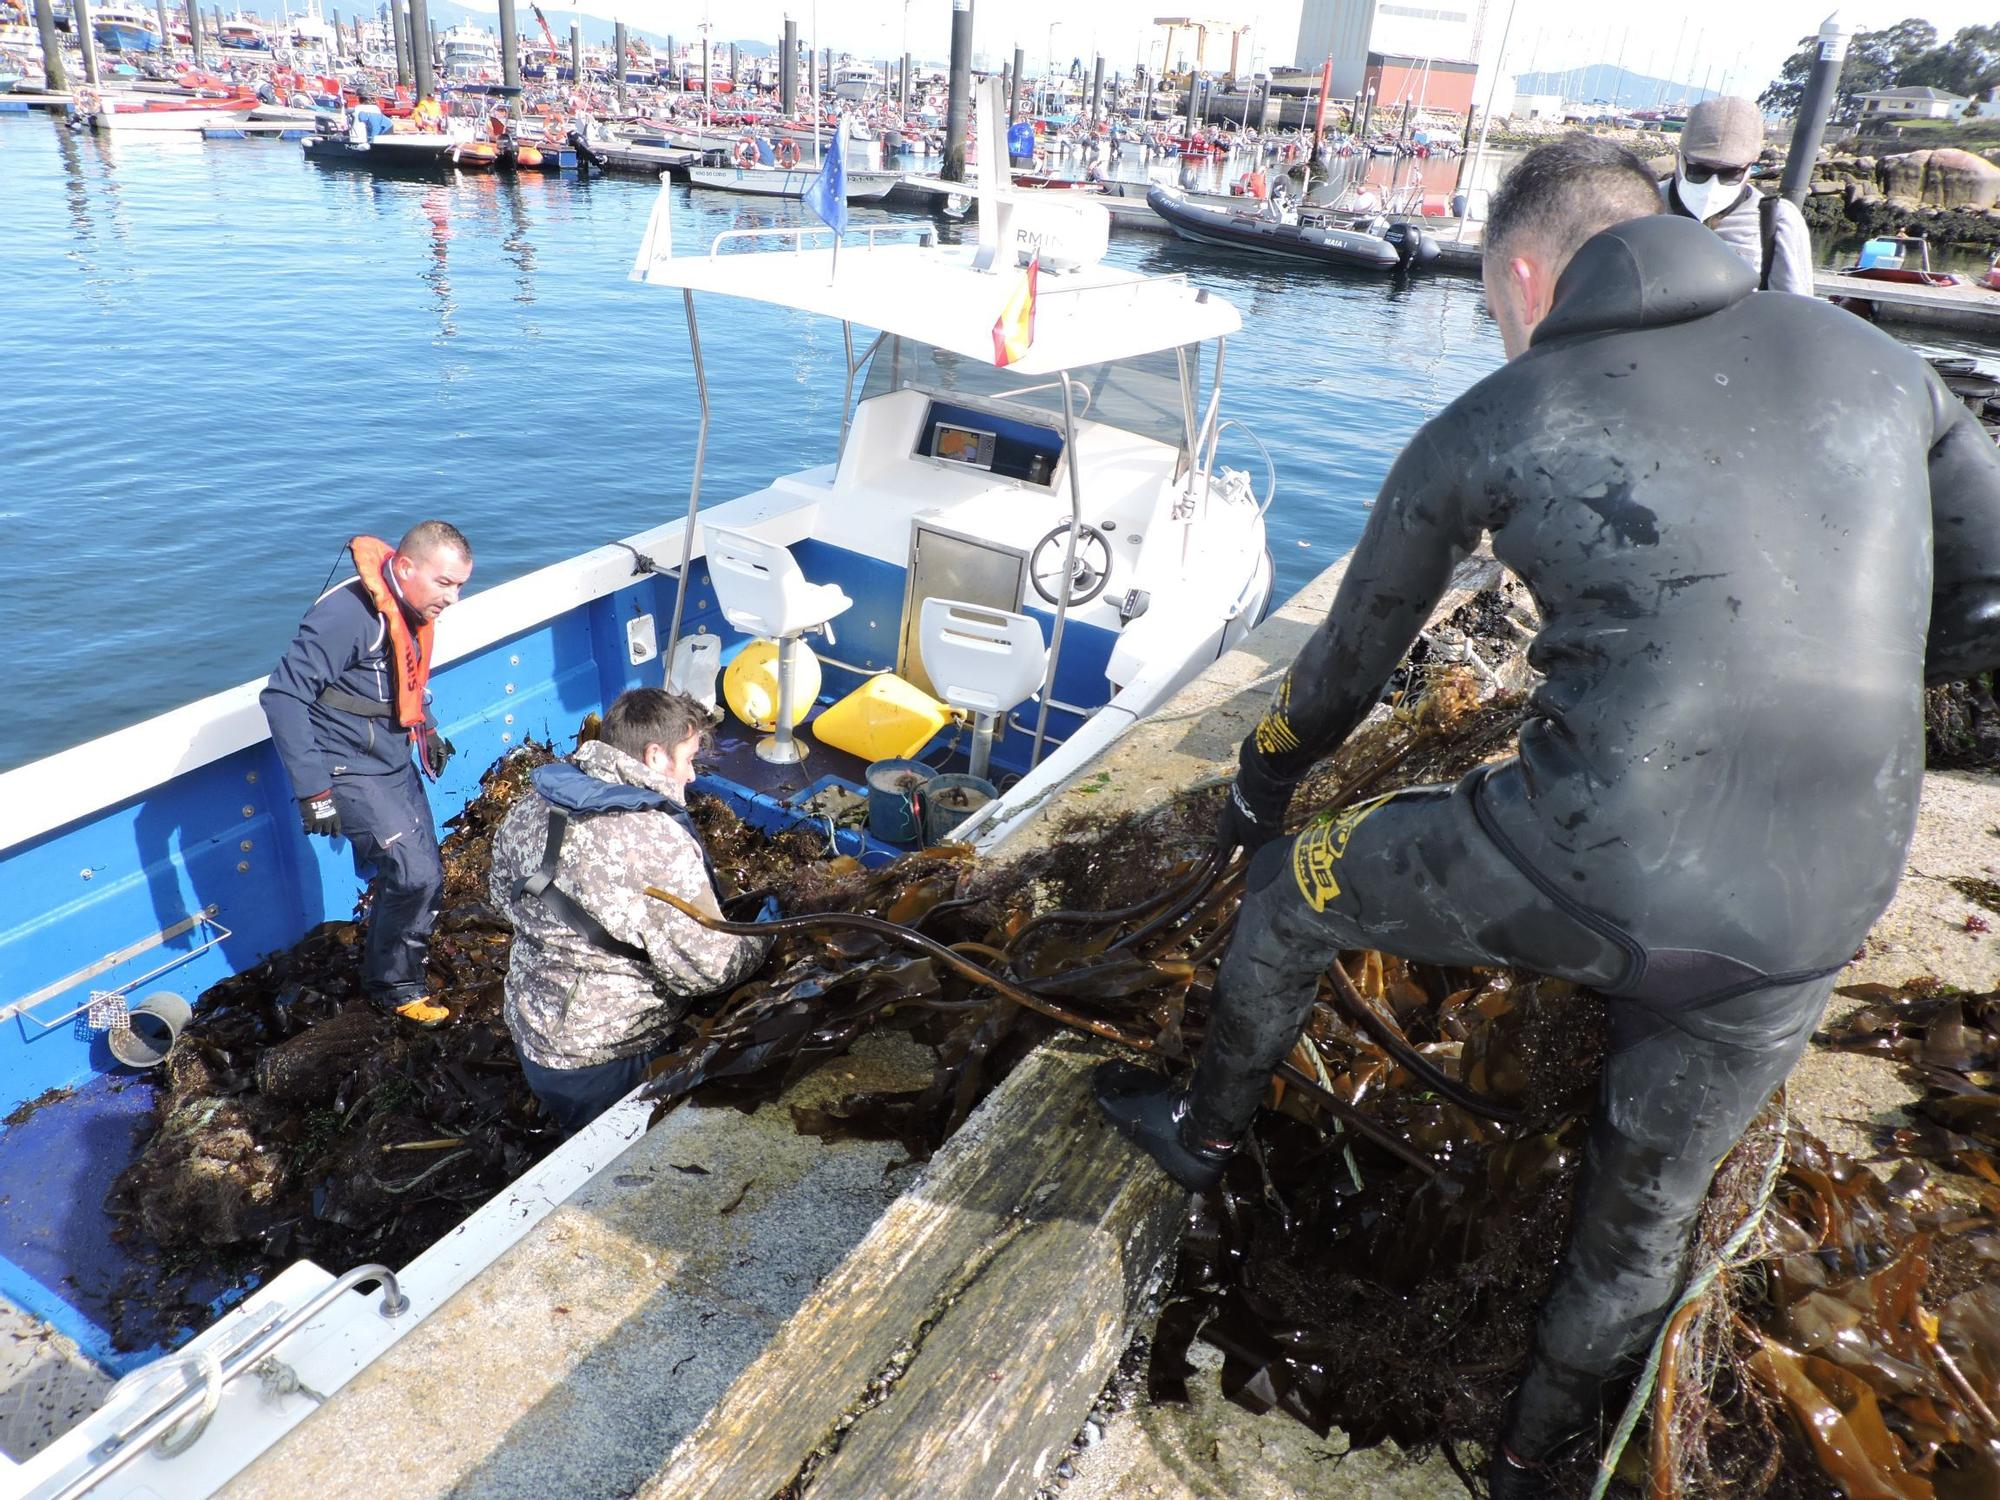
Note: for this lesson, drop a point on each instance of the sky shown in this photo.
(1743, 41)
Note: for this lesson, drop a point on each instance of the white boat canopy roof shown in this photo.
(1086, 313)
(1084, 316)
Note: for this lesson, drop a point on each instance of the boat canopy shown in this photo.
(1091, 315)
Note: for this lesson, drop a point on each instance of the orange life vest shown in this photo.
(410, 648)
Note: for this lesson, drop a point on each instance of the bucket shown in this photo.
(154, 1025)
(950, 800)
(896, 794)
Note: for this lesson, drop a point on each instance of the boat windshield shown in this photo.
(1146, 395)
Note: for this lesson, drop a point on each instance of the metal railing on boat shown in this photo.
(209, 1373)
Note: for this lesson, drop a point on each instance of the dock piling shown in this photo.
(788, 71)
(958, 109)
(510, 45)
(1097, 92)
(166, 31)
(422, 48)
(1014, 90)
(399, 26)
(339, 38)
(85, 38)
(1813, 110)
(618, 62)
(194, 31)
(908, 70)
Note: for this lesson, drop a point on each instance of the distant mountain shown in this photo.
(1613, 86)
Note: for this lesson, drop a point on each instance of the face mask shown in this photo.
(1704, 199)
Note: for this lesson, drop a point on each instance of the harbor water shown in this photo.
(224, 360)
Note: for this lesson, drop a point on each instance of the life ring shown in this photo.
(788, 155)
(86, 101)
(746, 153)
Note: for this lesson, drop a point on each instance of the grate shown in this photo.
(107, 1011)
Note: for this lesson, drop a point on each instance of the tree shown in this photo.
(1968, 65)
(1875, 60)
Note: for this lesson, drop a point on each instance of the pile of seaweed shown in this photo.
(1962, 725)
(1375, 1262)
(295, 1119)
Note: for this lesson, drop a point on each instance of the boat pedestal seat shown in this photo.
(985, 661)
(760, 590)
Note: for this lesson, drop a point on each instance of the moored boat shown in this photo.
(1061, 493)
(1292, 235)
(123, 113)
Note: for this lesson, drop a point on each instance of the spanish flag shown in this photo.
(1014, 329)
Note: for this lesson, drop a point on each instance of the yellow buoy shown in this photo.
(750, 684)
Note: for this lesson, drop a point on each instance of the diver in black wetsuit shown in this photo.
(1754, 526)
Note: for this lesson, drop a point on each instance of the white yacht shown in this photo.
(471, 55)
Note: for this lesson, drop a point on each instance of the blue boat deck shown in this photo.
(62, 1262)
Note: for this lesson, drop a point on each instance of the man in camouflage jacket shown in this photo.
(600, 972)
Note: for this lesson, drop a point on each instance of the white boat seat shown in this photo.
(761, 591)
(984, 661)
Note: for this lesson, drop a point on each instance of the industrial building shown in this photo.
(1423, 52)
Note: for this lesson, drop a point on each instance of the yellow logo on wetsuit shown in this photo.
(1321, 846)
(1275, 734)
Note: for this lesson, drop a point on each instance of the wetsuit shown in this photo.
(1718, 776)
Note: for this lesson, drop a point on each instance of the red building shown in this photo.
(1424, 82)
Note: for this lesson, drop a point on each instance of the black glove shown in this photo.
(1253, 813)
(438, 751)
(319, 814)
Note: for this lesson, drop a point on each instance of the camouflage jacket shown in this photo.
(570, 1003)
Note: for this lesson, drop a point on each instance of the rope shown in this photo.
(424, 1176)
(206, 1366)
(280, 1380)
(1698, 1285)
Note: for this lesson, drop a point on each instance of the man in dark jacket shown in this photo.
(346, 706)
(1718, 777)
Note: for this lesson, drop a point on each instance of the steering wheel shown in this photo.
(1093, 564)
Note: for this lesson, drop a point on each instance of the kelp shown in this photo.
(294, 1119)
(1374, 1262)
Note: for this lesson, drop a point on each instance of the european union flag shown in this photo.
(827, 197)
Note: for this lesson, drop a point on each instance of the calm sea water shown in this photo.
(222, 360)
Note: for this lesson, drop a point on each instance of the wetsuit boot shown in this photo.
(1153, 1114)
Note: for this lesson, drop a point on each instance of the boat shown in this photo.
(1293, 235)
(392, 154)
(1886, 258)
(126, 113)
(1070, 505)
(241, 33)
(124, 28)
(856, 82)
(470, 56)
(783, 182)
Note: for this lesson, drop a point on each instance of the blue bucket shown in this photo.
(950, 800)
(896, 791)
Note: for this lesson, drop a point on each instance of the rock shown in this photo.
(1945, 178)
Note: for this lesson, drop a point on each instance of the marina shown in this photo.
(983, 521)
